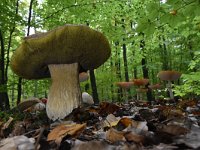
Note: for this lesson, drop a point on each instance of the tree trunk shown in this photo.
(145, 70)
(94, 87)
(10, 42)
(125, 62)
(4, 100)
(111, 86)
(19, 86)
(125, 56)
(118, 72)
(164, 54)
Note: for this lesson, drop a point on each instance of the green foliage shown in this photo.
(190, 87)
(171, 38)
(191, 81)
(195, 63)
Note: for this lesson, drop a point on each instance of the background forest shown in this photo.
(145, 36)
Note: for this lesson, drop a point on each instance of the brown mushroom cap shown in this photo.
(125, 85)
(169, 75)
(140, 82)
(83, 76)
(64, 45)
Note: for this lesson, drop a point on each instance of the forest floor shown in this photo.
(108, 126)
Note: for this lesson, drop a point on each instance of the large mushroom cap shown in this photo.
(169, 75)
(64, 45)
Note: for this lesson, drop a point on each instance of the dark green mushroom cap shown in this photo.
(63, 45)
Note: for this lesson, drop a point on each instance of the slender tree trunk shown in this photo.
(4, 100)
(10, 42)
(125, 62)
(19, 86)
(94, 87)
(164, 54)
(111, 86)
(118, 72)
(145, 70)
(125, 56)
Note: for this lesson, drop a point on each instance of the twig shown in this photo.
(39, 137)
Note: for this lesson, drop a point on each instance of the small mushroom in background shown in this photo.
(140, 92)
(83, 76)
(60, 54)
(30, 102)
(125, 86)
(87, 98)
(155, 88)
(32, 105)
(169, 76)
(140, 83)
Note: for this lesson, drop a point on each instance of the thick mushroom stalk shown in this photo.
(64, 94)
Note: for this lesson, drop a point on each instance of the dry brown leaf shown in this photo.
(196, 113)
(26, 104)
(62, 130)
(132, 137)
(126, 121)
(174, 129)
(187, 103)
(110, 121)
(114, 136)
(108, 108)
(91, 145)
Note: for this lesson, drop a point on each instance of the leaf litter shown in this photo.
(109, 126)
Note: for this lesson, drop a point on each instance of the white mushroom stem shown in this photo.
(64, 94)
(169, 87)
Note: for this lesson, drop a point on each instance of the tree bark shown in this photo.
(118, 72)
(94, 87)
(10, 42)
(19, 86)
(4, 100)
(145, 70)
(164, 54)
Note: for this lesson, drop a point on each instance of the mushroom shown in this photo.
(61, 53)
(155, 88)
(169, 76)
(83, 76)
(140, 83)
(125, 86)
(140, 92)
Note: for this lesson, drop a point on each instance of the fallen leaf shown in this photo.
(125, 121)
(174, 129)
(17, 143)
(133, 137)
(110, 121)
(187, 103)
(6, 125)
(114, 136)
(108, 108)
(62, 130)
(91, 145)
(141, 125)
(26, 104)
